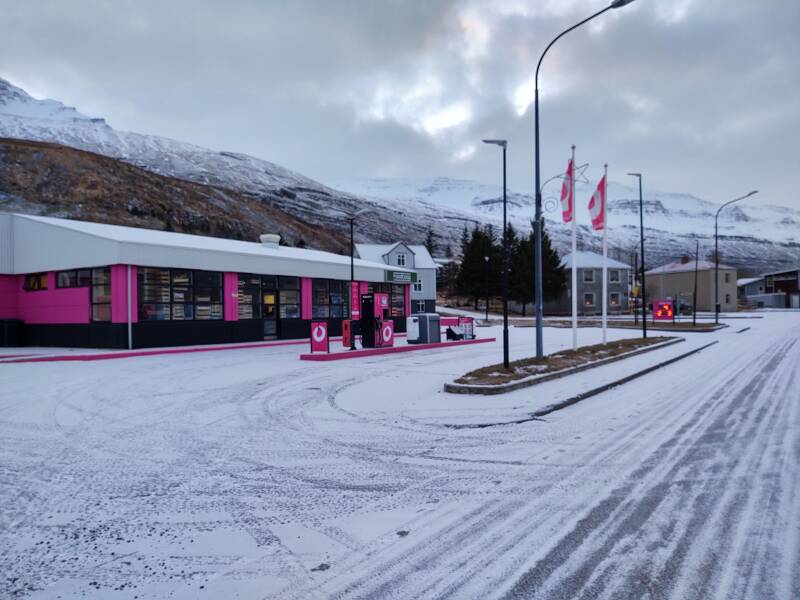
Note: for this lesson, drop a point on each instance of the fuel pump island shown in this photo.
(374, 329)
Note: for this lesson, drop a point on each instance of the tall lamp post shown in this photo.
(538, 189)
(352, 218)
(716, 251)
(503, 144)
(488, 277)
(641, 242)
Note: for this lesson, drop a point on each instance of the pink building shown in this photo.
(75, 283)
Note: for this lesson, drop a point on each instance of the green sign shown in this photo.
(400, 277)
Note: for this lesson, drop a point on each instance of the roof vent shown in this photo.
(270, 240)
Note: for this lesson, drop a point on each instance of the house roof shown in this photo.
(45, 243)
(376, 253)
(748, 281)
(591, 260)
(679, 267)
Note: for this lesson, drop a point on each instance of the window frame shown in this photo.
(588, 272)
(592, 303)
(329, 299)
(77, 278)
(417, 286)
(619, 298)
(100, 282)
(400, 259)
(181, 294)
(611, 273)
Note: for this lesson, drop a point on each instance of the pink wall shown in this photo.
(69, 305)
(230, 296)
(305, 298)
(119, 294)
(8, 296)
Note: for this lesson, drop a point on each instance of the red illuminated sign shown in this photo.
(662, 310)
(320, 342)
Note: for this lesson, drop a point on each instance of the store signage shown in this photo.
(387, 334)
(320, 342)
(662, 310)
(401, 277)
(355, 301)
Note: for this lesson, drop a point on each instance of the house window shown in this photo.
(614, 299)
(588, 299)
(613, 276)
(35, 282)
(179, 295)
(289, 297)
(418, 286)
(329, 299)
(727, 298)
(727, 277)
(420, 306)
(101, 294)
(401, 260)
(249, 296)
(588, 276)
(73, 279)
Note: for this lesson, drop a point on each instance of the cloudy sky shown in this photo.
(701, 96)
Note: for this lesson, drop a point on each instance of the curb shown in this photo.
(391, 350)
(537, 415)
(492, 390)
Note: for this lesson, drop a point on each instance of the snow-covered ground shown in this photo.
(251, 474)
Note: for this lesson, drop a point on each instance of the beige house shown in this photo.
(676, 281)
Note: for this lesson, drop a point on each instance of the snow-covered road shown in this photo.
(250, 474)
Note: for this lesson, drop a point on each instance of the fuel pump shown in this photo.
(374, 312)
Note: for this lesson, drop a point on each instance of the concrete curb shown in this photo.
(537, 415)
(492, 390)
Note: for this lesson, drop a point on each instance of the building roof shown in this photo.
(679, 267)
(591, 260)
(377, 252)
(784, 272)
(748, 281)
(44, 244)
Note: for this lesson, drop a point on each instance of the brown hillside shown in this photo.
(52, 180)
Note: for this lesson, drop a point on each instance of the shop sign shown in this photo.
(400, 277)
(355, 301)
(320, 342)
(662, 310)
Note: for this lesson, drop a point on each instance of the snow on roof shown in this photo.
(165, 247)
(748, 281)
(679, 267)
(376, 252)
(591, 260)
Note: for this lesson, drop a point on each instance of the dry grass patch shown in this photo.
(520, 369)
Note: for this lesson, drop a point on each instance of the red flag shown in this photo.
(568, 193)
(597, 205)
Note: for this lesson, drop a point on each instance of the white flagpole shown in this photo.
(574, 259)
(605, 257)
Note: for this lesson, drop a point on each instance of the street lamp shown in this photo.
(716, 252)
(538, 189)
(641, 240)
(488, 279)
(352, 217)
(503, 144)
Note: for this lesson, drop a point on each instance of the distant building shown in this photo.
(787, 283)
(407, 256)
(590, 286)
(752, 293)
(676, 280)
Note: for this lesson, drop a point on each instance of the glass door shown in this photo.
(270, 313)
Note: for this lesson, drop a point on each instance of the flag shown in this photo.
(568, 193)
(597, 206)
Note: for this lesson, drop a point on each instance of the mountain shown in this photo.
(753, 237)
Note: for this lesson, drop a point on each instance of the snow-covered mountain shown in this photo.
(752, 234)
(755, 237)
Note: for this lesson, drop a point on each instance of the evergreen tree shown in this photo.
(430, 241)
(475, 276)
(522, 278)
(448, 251)
(554, 276)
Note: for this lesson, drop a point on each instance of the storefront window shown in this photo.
(35, 282)
(397, 301)
(73, 279)
(329, 299)
(179, 295)
(249, 296)
(289, 297)
(101, 294)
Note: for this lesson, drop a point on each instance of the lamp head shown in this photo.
(620, 3)
(502, 143)
(635, 174)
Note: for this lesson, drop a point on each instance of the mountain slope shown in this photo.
(754, 237)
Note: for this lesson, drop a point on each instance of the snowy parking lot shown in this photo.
(250, 474)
